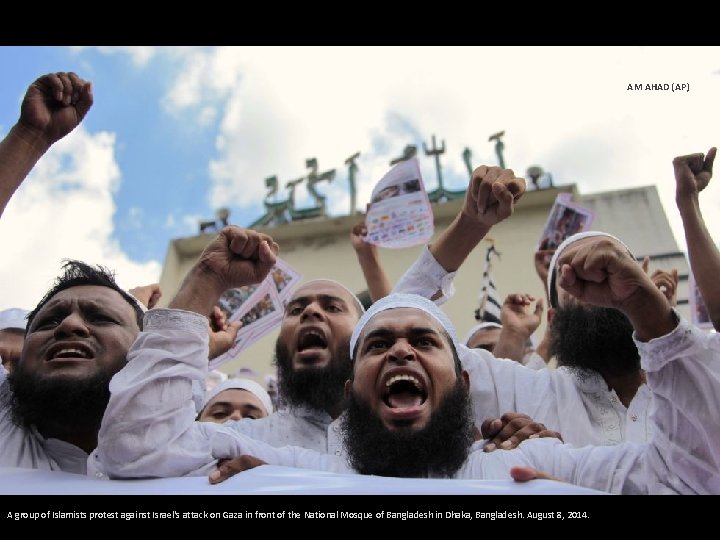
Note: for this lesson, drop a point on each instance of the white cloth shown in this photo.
(299, 426)
(240, 384)
(148, 430)
(425, 277)
(26, 448)
(481, 326)
(13, 318)
(533, 360)
(403, 300)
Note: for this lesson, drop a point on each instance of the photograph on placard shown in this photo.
(566, 218)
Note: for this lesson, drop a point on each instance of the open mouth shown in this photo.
(404, 392)
(70, 353)
(311, 340)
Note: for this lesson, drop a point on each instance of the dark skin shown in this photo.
(53, 106)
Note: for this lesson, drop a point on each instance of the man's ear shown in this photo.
(466, 380)
(348, 388)
(550, 315)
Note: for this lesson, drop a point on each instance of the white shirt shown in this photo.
(149, 428)
(26, 448)
(576, 403)
(297, 426)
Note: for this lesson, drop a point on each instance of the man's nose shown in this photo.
(72, 324)
(401, 351)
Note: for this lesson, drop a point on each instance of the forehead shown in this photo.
(90, 295)
(322, 288)
(236, 396)
(401, 320)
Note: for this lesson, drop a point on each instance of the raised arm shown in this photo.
(149, 427)
(490, 198)
(53, 106)
(377, 281)
(519, 320)
(692, 174)
(683, 372)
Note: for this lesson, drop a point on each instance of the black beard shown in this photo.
(317, 388)
(594, 338)
(58, 405)
(437, 450)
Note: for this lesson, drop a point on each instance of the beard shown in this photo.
(594, 338)
(321, 388)
(59, 404)
(437, 450)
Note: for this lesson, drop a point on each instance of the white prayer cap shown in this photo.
(358, 303)
(552, 271)
(475, 329)
(403, 300)
(13, 318)
(240, 384)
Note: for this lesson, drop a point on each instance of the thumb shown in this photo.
(233, 329)
(267, 256)
(85, 102)
(709, 158)
(539, 306)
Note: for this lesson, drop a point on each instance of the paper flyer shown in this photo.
(399, 214)
(566, 218)
(260, 308)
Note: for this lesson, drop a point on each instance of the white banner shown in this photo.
(271, 480)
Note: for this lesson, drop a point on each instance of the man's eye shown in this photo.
(376, 345)
(332, 308)
(295, 310)
(49, 322)
(424, 342)
(100, 317)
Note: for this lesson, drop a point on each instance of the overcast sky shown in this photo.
(177, 132)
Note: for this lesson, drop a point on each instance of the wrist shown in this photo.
(516, 332)
(688, 204)
(31, 137)
(650, 314)
(368, 253)
(199, 291)
(469, 226)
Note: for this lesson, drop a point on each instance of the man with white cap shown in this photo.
(12, 336)
(409, 412)
(235, 399)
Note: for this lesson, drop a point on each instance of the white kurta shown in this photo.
(149, 429)
(20, 447)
